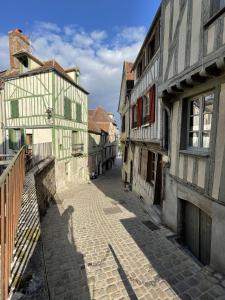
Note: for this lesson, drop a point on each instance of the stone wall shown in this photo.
(45, 184)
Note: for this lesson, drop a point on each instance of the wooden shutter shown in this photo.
(152, 104)
(78, 113)
(139, 111)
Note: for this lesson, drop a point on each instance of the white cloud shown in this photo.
(99, 58)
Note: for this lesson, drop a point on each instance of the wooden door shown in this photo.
(205, 237)
(191, 228)
(197, 232)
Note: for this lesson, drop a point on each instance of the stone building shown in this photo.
(192, 88)
(96, 138)
(46, 109)
(106, 123)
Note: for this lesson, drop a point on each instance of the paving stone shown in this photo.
(113, 255)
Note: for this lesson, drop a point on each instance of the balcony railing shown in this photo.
(77, 149)
(11, 189)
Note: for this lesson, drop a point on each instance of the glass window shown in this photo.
(200, 120)
(216, 6)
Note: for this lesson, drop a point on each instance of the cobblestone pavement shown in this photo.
(97, 247)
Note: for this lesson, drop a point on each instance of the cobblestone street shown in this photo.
(96, 246)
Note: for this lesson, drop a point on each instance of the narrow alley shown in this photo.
(96, 246)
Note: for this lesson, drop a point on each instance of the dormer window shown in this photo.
(24, 64)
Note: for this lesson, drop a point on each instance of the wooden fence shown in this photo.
(11, 189)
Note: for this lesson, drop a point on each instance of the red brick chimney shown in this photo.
(17, 42)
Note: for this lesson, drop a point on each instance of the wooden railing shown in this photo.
(11, 189)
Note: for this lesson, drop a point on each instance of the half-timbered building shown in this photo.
(192, 89)
(46, 108)
(145, 133)
(127, 84)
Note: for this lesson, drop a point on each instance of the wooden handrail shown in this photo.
(11, 189)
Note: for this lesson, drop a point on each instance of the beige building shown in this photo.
(192, 89)
(127, 84)
(105, 123)
(45, 109)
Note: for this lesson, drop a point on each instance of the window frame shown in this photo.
(215, 7)
(201, 99)
(14, 109)
(67, 108)
(151, 168)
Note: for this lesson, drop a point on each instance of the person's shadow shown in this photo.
(65, 268)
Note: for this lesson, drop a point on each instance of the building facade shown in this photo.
(127, 84)
(143, 151)
(192, 88)
(103, 122)
(46, 107)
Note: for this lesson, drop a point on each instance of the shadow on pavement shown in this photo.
(171, 263)
(65, 268)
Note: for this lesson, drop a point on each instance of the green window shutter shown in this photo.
(67, 108)
(78, 113)
(14, 105)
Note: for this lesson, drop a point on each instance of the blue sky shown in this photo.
(96, 35)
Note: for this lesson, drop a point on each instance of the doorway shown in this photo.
(196, 231)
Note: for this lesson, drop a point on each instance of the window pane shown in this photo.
(193, 139)
(208, 103)
(195, 106)
(207, 121)
(222, 3)
(194, 123)
(206, 139)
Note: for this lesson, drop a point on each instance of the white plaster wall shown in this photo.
(195, 32)
(211, 34)
(166, 37)
(201, 173)
(182, 42)
(42, 135)
(174, 132)
(220, 144)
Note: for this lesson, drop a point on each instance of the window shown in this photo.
(24, 67)
(154, 43)
(139, 69)
(78, 112)
(67, 108)
(125, 154)
(217, 5)
(134, 116)
(151, 167)
(140, 160)
(123, 124)
(145, 110)
(14, 105)
(200, 111)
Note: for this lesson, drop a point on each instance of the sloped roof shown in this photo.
(46, 66)
(100, 117)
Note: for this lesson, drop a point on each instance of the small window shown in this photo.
(134, 116)
(67, 108)
(217, 5)
(140, 160)
(200, 112)
(145, 110)
(125, 154)
(151, 169)
(14, 105)
(123, 124)
(78, 113)
(24, 61)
